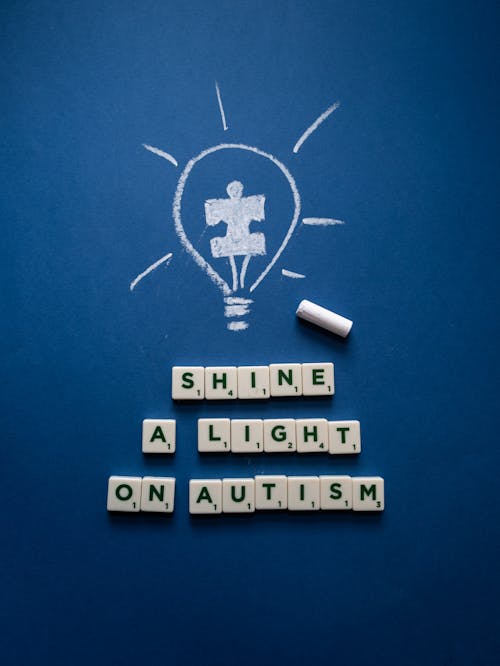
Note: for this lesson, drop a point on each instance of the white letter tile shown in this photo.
(285, 379)
(247, 436)
(344, 436)
(124, 493)
(253, 382)
(312, 435)
(303, 493)
(367, 493)
(158, 494)
(158, 436)
(336, 493)
(271, 492)
(188, 383)
(205, 496)
(214, 435)
(279, 435)
(317, 379)
(238, 495)
(221, 383)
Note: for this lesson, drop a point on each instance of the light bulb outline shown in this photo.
(177, 214)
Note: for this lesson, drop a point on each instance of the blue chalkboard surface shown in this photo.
(370, 129)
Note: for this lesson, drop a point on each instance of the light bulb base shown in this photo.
(235, 308)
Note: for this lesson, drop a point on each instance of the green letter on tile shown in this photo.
(311, 433)
(154, 491)
(335, 491)
(287, 377)
(317, 376)
(158, 434)
(187, 380)
(204, 495)
(222, 380)
(368, 491)
(278, 433)
(242, 494)
(268, 487)
(128, 490)
(342, 434)
(211, 435)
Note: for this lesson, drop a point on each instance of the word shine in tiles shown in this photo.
(252, 382)
(295, 493)
(278, 436)
(133, 493)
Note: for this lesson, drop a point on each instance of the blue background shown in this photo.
(409, 162)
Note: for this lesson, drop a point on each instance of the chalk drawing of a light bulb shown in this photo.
(236, 212)
(228, 210)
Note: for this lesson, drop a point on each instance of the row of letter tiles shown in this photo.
(278, 436)
(295, 493)
(133, 493)
(252, 382)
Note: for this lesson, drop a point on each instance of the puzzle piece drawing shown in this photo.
(237, 213)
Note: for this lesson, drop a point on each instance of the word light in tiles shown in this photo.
(133, 494)
(158, 436)
(252, 382)
(278, 436)
(295, 493)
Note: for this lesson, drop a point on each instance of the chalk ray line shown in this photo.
(291, 274)
(315, 125)
(160, 153)
(321, 221)
(150, 269)
(221, 108)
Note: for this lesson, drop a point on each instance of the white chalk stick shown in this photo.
(324, 318)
